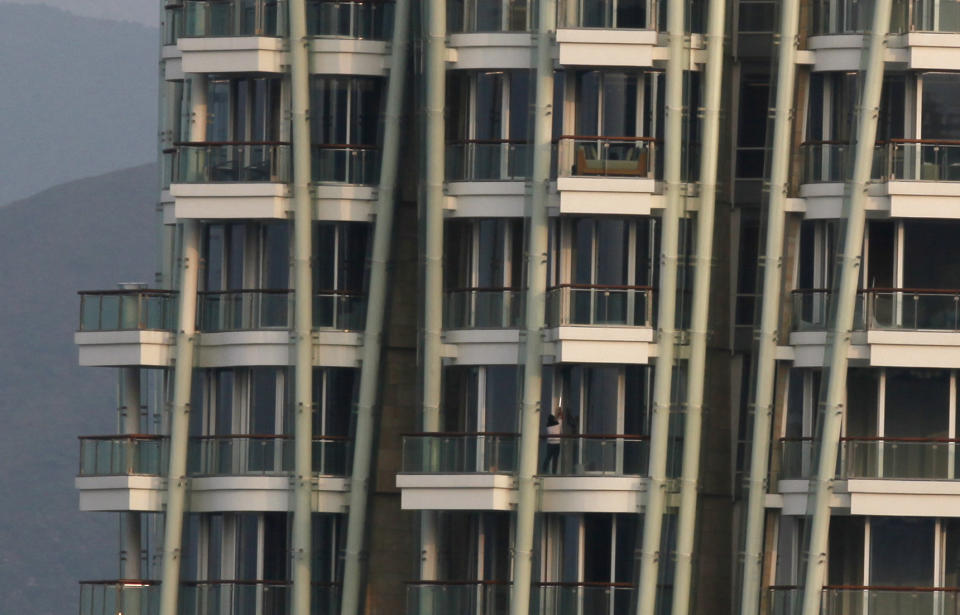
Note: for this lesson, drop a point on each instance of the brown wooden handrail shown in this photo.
(126, 436)
(489, 141)
(927, 141)
(796, 439)
(367, 146)
(615, 585)
(132, 291)
(925, 291)
(460, 434)
(897, 439)
(602, 287)
(279, 291)
(801, 291)
(824, 142)
(597, 436)
(227, 143)
(895, 588)
(458, 583)
(603, 138)
(258, 436)
(490, 289)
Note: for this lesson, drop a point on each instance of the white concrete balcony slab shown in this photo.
(481, 199)
(608, 47)
(896, 198)
(273, 347)
(263, 493)
(482, 50)
(267, 54)
(601, 494)
(232, 54)
(457, 491)
(885, 497)
(348, 56)
(146, 348)
(121, 493)
(598, 344)
(482, 346)
(843, 52)
(618, 196)
(260, 200)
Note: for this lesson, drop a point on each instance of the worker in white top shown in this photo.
(554, 430)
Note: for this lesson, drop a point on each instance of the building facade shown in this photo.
(557, 307)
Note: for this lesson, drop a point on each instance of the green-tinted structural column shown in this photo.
(302, 309)
(435, 69)
(351, 598)
(845, 295)
(535, 315)
(666, 313)
(703, 253)
(769, 308)
(130, 521)
(177, 483)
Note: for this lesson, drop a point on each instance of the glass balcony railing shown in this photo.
(365, 19)
(599, 304)
(926, 16)
(450, 453)
(172, 27)
(582, 598)
(625, 14)
(246, 454)
(488, 160)
(595, 454)
(583, 156)
(234, 18)
(876, 457)
(239, 310)
(785, 600)
(346, 164)
(913, 309)
(867, 600)
(482, 308)
(921, 159)
(843, 17)
(126, 597)
(460, 597)
(232, 161)
(123, 454)
(128, 310)
(468, 16)
(134, 597)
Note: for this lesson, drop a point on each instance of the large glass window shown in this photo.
(345, 118)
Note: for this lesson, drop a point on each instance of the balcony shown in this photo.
(230, 472)
(487, 177)
(926, 33)
(482, 324)
(346, 164)
(126, 327)
(599, 323)
(879, 475)
(461, 471)
(475, 471)
(488, 34)
(236, 597)
(122, 472)
(608, 175)
(460, 597)
(608, 33)
(252, 327)
(231, 180)
(223, 36)
(489, 597)
(893, 327)
(913, 178)
(868, 600)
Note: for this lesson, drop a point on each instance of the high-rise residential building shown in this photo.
(567, 307)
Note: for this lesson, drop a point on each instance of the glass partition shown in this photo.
(128, 310)
(460, 452)
(365, 19)
(234, 18)
(118, 455)
(211, 162)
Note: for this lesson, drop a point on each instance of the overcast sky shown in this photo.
(146, 12)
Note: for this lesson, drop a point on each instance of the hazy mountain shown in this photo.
(145, 12)
(87, 234)
(79, 97)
